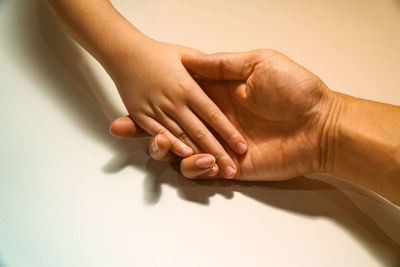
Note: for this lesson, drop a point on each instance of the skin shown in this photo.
(292, 122)
(158, 92)
(279, 140)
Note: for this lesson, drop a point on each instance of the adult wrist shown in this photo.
(332, 109)
(363, 145)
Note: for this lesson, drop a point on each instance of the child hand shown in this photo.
(162, 97)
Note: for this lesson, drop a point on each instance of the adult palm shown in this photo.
(280, 108)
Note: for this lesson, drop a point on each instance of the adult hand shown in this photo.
(283, 111)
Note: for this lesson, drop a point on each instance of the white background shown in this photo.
(71, 195)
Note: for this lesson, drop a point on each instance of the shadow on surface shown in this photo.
(79, 95)
(374, 225)
(2, 264)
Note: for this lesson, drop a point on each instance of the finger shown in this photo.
(214, 117)
(196, 165)
(154, 128)
(160, 149)
(125, 127)
(189, 168)
(213, 172)
(206, 140)
(177, 131)
(222, 66)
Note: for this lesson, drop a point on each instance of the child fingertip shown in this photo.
(213, 171)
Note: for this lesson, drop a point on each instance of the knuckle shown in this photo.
(157, 110)
(222, 158)
(215, 116)
(183, 137)
(167, 107)
(174, 142)
(167, 134)
(184, 86)
(137, 111)
(162, 131)
(200, 134)
(173, 108)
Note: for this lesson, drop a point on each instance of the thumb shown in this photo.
(221, 66)
(125, 127)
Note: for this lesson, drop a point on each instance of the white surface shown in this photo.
(71, 195)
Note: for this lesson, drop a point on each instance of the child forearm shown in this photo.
(98, 27)
(157, 90)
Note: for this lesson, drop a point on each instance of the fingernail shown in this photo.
(205, 162)
(153, 146)
(187, 151)
(213, 171)
(241, 147)
(229, 171)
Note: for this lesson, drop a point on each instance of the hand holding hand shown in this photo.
(162, 97)
(281, 109)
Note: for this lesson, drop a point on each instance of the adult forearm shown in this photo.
(365, 145)
(98, 27)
